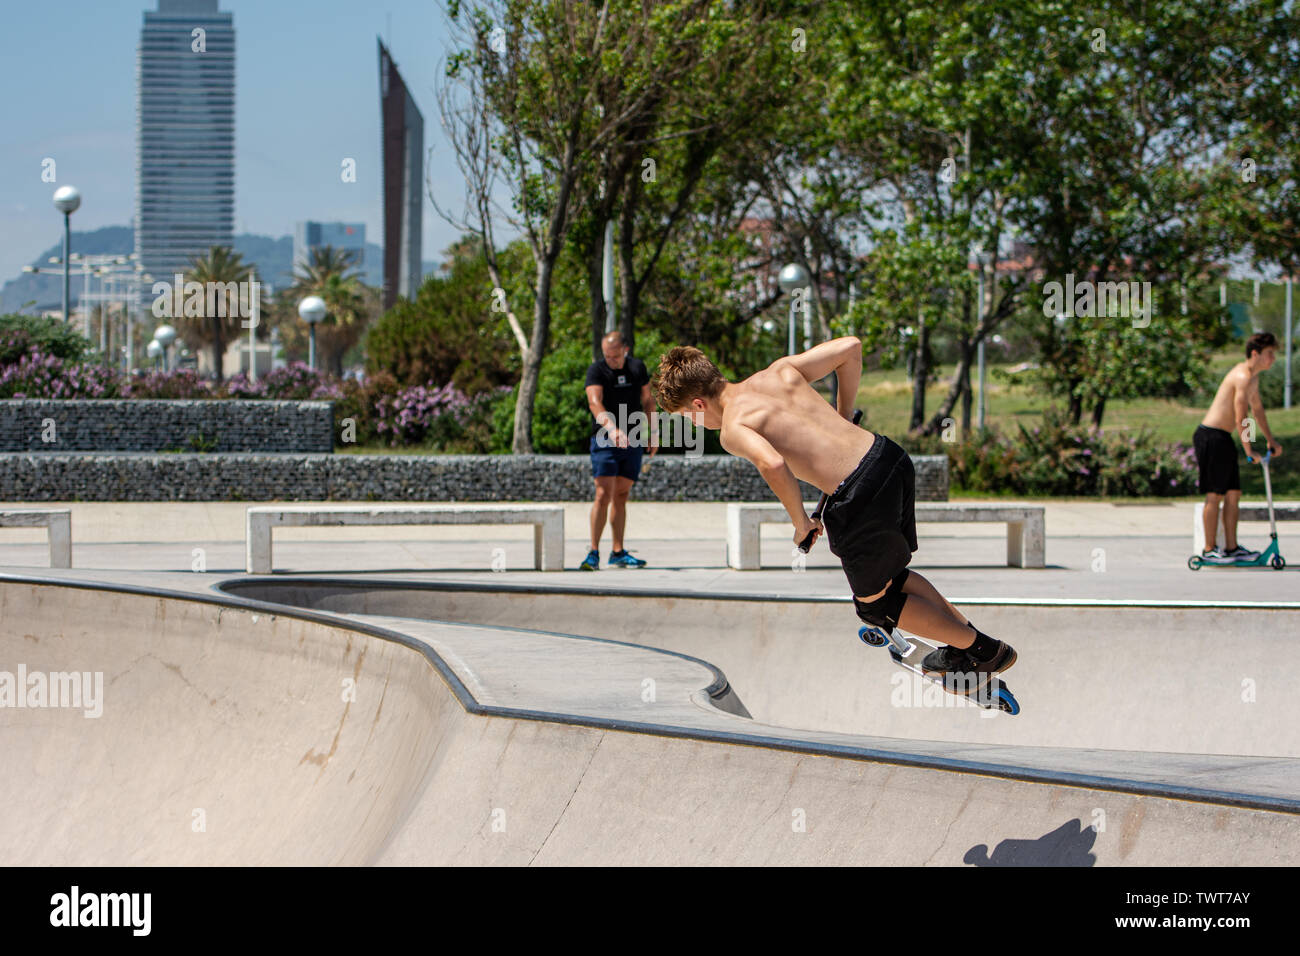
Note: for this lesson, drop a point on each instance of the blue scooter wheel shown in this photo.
(1278, 562)
(1007, 702)
(873, 636)
(1194, 563)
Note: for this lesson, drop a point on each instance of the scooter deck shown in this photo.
(995, 695)
(1270, 557)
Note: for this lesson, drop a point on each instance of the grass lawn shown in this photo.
(886, 397)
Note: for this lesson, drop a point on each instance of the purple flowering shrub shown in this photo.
(1059, 458)
(37, 374)
(295, 381)
(176, 384)
(422, 414)
(437, 418)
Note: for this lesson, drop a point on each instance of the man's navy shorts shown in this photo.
(623, 462)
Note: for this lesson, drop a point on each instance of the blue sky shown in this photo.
(307, 95)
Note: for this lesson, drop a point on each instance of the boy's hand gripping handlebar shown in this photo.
(806, 544)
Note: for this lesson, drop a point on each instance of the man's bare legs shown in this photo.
(600, 508)
(611, 501)
(618, 510)
(928, 614)
(1210, 519)
(1231, 505)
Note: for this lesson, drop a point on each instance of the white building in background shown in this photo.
(310, 235)
(185, 134)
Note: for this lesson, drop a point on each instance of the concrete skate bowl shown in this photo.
(233, 732)
(1176, 678)
(224, 735)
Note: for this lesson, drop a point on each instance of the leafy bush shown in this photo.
(1272, 384)
(449, 333)
(561, 421)
(23, 334)
(357, 404)
(1058, 458)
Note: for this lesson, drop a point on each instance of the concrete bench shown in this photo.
(547, 522)
(1026, 528)
(1246, 511)
(56, 521)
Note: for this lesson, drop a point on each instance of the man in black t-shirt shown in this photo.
(622, 410)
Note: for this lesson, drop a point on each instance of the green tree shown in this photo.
(698, 92)
(333, 275)
(213, 317)
(449, 333)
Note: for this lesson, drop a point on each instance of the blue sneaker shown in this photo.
(591, 562)
(624, 559)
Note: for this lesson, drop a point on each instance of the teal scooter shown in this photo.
(1270, 555)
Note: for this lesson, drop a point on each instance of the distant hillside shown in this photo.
(36, 292)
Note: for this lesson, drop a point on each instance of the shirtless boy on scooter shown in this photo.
(777, 420)
(1216, 455)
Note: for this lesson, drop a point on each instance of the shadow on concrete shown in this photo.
(1070, 844)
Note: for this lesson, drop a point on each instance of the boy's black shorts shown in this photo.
(870, 518)
(1216, 456)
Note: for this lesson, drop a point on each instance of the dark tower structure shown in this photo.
(403, 177)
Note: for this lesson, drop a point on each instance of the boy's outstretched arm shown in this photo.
(843, 356)
(1256, 403)
(749, 444)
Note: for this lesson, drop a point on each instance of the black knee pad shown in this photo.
(884, 611)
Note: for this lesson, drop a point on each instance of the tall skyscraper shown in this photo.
(403, 149)
(185, 135)
(341, 235)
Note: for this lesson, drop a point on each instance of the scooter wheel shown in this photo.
(1007, 703)
(1194, 563)
(1279, 562)
(873, 636)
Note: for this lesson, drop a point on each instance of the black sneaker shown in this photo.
(964, 674)
(1241, 554)
(981, 672)
(944, 660)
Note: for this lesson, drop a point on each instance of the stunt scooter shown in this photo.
(1269, 555)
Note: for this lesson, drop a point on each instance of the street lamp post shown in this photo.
(312, 310)
(793, 276)
(66, 201)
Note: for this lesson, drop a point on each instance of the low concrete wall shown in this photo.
(54, 476)
(157, 425)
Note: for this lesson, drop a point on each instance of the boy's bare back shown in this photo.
(818, 444)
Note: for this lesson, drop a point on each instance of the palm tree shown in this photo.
(222, 265)
(332, 274)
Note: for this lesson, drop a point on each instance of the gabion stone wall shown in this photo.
(52, 476)
(157, 425)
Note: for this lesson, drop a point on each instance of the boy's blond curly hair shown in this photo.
(684, 374)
